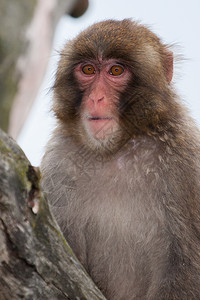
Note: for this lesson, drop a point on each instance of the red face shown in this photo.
(101, 82)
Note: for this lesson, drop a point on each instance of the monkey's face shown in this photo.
(112, 84)
(101, 82)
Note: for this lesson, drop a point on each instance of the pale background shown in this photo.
(175, 21)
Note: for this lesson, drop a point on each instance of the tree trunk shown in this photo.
(35, 260)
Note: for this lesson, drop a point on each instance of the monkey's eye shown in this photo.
(116, 70)
(88, 69)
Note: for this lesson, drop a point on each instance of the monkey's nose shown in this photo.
(97, 100)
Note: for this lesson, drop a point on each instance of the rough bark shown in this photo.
(35, 260)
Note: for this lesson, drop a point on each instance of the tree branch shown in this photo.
(35, 260)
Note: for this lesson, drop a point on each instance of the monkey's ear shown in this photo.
(169, 65)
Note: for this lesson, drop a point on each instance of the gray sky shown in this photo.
(175, 21)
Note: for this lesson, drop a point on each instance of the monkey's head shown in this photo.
(113, 84)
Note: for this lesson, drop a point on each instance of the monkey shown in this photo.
(122, 169)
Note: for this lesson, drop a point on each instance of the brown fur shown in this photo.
(130, 209)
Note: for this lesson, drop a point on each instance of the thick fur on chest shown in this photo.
(107, 198)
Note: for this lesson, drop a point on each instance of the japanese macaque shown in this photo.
(122, 169)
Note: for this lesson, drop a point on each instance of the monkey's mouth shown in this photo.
(100, 127)
(98, 118)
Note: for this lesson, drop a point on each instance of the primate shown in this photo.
(122, 169)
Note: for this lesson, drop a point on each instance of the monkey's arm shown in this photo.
(180, 198)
